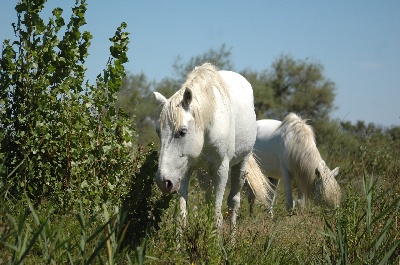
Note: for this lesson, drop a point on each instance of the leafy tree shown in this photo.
(298, 86)
(264, 102)
(135, 87)
(394, 133)
(220, 57)
(137, 100)
(62, 139)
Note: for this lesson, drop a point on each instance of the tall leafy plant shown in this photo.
(62, 139)
(364, 231)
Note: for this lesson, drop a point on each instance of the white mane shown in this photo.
(302, 151)
(201, 81)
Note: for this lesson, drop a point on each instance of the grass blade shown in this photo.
(388, 254)
(32, 241)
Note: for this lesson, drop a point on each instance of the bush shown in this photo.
(63, 140)
(144, 204)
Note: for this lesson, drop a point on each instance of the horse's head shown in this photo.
(328, 189)
(181, 140)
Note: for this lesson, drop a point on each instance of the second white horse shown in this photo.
(287, 150)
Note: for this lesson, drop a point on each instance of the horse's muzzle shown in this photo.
(167, 186)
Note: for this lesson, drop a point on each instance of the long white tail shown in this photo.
(259, 184)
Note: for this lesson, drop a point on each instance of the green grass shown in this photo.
(47, 238)
(364, 230)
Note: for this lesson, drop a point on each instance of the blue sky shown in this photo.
(357, 42)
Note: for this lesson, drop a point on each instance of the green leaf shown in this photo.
(21, 7)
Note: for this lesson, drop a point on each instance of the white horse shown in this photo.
(209, 123)
(287, 150)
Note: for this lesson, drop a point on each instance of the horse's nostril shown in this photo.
(168, 184)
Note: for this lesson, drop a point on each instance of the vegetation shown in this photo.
(61, 136)
(77, 163)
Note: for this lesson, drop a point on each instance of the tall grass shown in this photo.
(364, 230)
(29, 237)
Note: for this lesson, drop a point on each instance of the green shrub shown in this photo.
(144, 204)
(62, 139)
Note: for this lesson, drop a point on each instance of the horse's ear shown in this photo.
(187, 97)
(160, 98)
(335, 172)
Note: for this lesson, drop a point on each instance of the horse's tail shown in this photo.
(259, 183)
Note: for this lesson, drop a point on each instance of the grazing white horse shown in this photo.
(209, 123)
(286, 150)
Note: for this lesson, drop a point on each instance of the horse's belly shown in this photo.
(269, 164)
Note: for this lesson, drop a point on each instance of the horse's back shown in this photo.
(268, 147)
(239, 88)
(265, 128)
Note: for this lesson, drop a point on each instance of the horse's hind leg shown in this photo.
(272, 194)
(287, 185)
(238, 175)
(219, 188)
(251, 198)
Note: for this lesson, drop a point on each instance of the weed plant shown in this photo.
(364, 230)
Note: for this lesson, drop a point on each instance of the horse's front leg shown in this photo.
(219, 188)
(183, 195)
(300, 198)
(238, 176)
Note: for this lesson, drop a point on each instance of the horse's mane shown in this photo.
(201, 81)
(302, 151)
